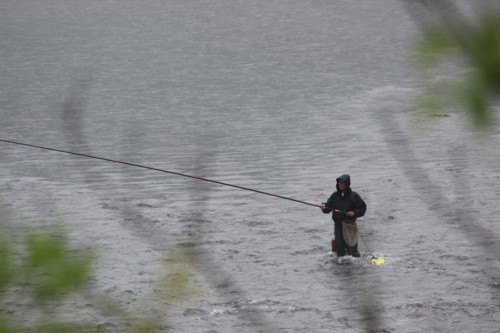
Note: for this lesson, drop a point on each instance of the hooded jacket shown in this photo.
(341, 203)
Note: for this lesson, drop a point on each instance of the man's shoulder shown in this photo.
(355, 197)
(354, 194)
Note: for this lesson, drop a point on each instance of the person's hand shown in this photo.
(350, 213)
(323, 205)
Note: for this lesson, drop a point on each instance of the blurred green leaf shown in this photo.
(475, 98)
(432, 46)
(52, 270)
(475, 90)
(6, 327)
(144, 328)
(179, 282)
(5, 264)
(487, 44)
(64, 328)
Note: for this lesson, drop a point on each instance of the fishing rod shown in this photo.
(374, 260)
(156, 169)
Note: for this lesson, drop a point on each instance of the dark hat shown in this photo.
(346, 179)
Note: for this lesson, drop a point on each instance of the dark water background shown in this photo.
(280, 96)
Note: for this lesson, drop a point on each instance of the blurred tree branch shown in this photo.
(470, 41)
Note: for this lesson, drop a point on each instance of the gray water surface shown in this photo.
(280, 96)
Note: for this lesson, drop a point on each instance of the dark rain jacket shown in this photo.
(340, 204)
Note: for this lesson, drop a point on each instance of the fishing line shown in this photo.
(156, 169)
(349, 236)
(373, 260)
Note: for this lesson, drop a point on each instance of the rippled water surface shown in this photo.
(278, 96)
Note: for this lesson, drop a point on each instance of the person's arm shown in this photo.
(325, 206)
(360, 209)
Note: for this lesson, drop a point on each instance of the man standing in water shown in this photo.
(346, 205)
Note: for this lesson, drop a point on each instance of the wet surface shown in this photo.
(278, 96)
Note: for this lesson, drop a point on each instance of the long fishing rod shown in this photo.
(156, 169)
(374, 260)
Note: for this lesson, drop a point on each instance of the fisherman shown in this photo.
(346, 205)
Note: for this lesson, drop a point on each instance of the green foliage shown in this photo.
(52, 270)
(5, 266)
(144, 328)
(6, 327)
(487, 43)
(179, 282)
(479, 83)
(432, 47)
(46, 270)
(62, 328)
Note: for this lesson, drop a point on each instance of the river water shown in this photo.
(278, 96)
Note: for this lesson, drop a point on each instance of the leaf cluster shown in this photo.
(474, 48)
(45, 272)
(42, 272)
